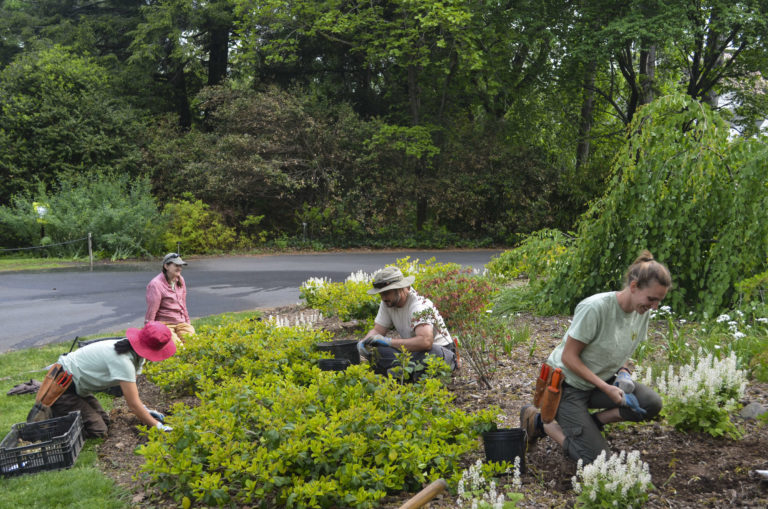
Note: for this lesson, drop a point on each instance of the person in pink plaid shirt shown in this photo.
(167, 299)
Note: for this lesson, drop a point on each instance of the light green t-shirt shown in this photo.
(98, 366)
(611, 336)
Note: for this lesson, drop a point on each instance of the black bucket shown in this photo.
(341, 349)
(505, 445)
(333, 364)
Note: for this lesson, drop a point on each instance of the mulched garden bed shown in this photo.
(688, 470)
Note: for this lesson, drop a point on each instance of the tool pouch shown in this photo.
(550, 398)
(541, 384)
(56, 382)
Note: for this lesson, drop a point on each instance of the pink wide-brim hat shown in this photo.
(153, 341)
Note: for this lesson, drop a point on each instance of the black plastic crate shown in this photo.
(55, 444)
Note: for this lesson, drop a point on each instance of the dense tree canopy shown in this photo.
(480, 119)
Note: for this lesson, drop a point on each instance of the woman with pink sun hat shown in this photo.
(115, 362)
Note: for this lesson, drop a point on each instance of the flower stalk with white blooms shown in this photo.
(621, 480)
(476, 492)
(701, 395)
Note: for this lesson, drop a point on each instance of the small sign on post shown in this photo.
(41, 209)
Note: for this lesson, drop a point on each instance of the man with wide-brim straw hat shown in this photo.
(110, 363)
(417, 321)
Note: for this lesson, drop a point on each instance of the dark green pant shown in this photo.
(583, 439)
(95, 419)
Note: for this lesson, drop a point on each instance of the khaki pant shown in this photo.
(179, 331)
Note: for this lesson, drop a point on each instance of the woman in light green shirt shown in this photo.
(606, 329)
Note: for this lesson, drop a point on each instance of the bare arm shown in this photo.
(572, 360)
(131, 395)
(421, 341)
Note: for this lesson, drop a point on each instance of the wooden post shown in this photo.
(90, 250)
(431, 491)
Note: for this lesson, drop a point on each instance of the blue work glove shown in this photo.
(154, 413)
(377, 340)
(366, 345)
(624, 382)
(163, 427)
(630, 401)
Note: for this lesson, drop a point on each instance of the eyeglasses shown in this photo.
(171, 256)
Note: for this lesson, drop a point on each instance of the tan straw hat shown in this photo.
(389, 278)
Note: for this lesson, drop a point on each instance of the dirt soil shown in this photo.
(688, 470)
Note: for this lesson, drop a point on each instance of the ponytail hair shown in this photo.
(124, 346)
(645, 270)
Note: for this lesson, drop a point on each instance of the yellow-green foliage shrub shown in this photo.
(237, 348)
(196, 227)
(456, 292)
(273, 433)
(532, 257)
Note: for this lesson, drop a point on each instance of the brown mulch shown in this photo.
(688, 470)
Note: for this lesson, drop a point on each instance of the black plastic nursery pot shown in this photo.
(341, 349)
(505, 444)
(333, 364)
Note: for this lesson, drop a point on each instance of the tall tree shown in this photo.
(186, 45)
(59, 115)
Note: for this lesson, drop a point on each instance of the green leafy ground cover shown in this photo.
(273, 429)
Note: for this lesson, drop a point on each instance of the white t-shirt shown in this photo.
(416, 311)
(98, 366)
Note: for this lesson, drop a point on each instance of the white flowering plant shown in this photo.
(744, 333)
(701, 395)
(621, 480)
(475, 491)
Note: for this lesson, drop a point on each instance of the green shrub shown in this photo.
(236, 348)
(121, 214)
(196, 227)
(345, 300)
(533, 257)
(461, 296)
(273, 430)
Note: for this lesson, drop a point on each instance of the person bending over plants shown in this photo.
(421, 329)
(591, 365)
(104, 364)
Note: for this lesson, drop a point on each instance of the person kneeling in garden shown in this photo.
(104, 364)
(593, 358)
(421, 328)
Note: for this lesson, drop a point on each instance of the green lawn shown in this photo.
(10, 263)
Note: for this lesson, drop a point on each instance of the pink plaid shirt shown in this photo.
(166, 304)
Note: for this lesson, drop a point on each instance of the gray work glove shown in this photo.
(163, 427)
(361, 348)
(154, 413)
(630, 401)
(624, 382)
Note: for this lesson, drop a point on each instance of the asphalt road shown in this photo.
(48, 306)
